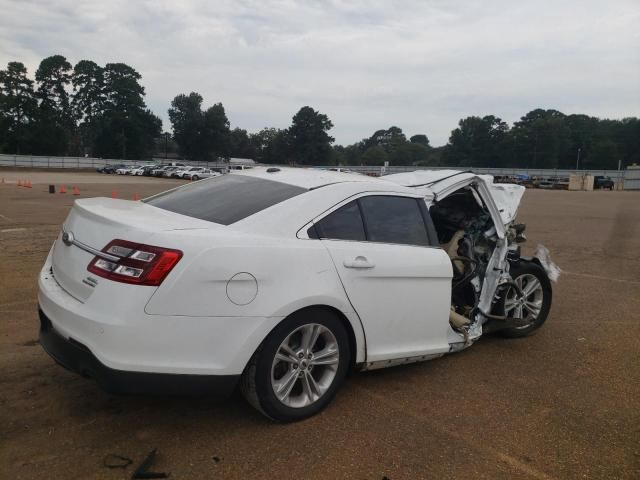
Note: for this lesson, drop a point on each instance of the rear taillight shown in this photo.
(135, 263)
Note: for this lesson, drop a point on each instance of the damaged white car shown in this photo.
(494, 288)
(280, 280)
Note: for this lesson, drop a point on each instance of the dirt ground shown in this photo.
(562, 403)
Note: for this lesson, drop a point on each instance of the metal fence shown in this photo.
(630, 177)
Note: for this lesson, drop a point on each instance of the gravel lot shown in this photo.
(562, 403)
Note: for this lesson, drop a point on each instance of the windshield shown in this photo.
(225, 199)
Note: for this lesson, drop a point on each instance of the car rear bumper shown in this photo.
(76, 357)
(112, 324)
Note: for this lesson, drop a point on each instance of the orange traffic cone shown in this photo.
(114, 194)
(76, 190)
(19, 183)
(136, 197)
(28, 185)
(63, 189)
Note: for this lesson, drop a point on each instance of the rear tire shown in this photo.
(298, 368)
(536, 286)
(195, 178)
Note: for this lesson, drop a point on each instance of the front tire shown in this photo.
(195, 178)
(297, 370)
(533, 305)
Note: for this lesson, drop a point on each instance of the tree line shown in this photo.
(75, 110)
(100, 111)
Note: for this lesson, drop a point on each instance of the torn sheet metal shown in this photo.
(543, 255)
(507, 197)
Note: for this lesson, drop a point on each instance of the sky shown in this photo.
(419, 65)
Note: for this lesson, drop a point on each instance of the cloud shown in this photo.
(420, 65)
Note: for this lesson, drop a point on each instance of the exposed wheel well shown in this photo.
(353, 347)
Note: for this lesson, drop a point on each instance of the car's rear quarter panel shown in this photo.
(291, 274)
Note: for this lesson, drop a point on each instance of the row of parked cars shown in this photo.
(555, 183)
(175, 170)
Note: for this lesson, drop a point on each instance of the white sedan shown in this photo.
(188, 172)
(271, 279)
(140, 170)
(201, 173)
(124, 171)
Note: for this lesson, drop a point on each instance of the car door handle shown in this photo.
(359, 262)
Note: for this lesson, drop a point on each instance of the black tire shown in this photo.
(195, 178)
(256, 381)
(519, 269)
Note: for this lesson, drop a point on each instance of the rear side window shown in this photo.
(225, 199)
(384, 219)
(343, 224)
(394, 220)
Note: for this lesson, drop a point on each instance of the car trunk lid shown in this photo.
(94, 222)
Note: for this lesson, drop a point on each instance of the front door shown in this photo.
(398, 283)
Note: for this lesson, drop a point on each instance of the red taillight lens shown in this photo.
(137, 263)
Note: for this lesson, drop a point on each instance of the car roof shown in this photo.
(421, 178)
(309, 178)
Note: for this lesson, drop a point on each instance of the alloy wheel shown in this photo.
(305, 365)
(527, 306)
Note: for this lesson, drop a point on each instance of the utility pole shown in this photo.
(578, 159)
(166, 140)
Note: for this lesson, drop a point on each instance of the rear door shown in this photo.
(398, 283)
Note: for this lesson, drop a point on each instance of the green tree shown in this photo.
(88, 86)
(187, 121)
(420, 139)
(374, 155)
(271, 145)
(541, 139)
(216, 132)
(478, 142)
(88, 101)
(200, 135)
(126, 128)
(308, 138)
(240, 144)
(123, 92)
(53, 77)
(388, 139)
(17, 108)
(54, 127)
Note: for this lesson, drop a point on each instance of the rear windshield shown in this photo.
(225, 199)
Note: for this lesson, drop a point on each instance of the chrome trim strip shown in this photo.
(87, 248)
(97, 253)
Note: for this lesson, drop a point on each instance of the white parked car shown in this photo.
(170, 171)
(200, 174)
(140, 170)
(124, 171)
(271, 279)
(186, 172)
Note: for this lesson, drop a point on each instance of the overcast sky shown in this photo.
(420, 65)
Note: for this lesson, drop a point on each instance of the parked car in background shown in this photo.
(111, 168)
(159, 170)
(124, 170)
(187, 172)
(146, 171)
(271, 279)
(546, 183)
(140, 169)
(180, 171)
(603, 182)
(169, 171)
(204, 173)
